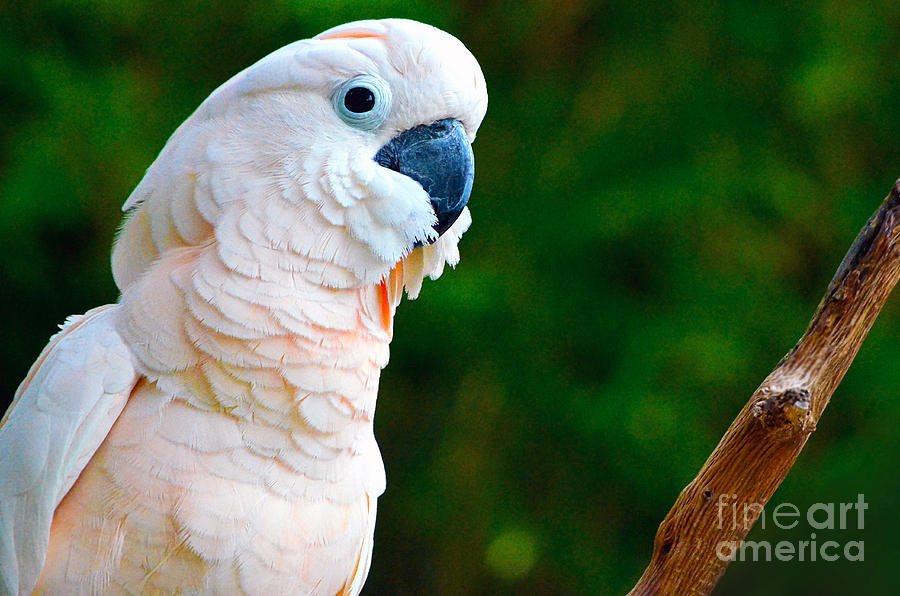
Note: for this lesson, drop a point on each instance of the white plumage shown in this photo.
(212, 432)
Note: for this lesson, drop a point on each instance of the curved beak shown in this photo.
(439, 157)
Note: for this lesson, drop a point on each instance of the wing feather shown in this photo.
(61, 413)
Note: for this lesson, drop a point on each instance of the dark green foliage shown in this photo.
(663, 191)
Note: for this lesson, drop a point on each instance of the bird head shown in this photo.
(352, 149)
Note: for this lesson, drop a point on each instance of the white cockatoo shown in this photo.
(211, 433)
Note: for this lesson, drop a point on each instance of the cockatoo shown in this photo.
(211, 432)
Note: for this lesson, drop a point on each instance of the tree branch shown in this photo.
(761, 445)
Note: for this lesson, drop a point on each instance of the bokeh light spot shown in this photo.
(512, 554)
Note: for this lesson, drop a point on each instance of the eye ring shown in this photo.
(363, 102)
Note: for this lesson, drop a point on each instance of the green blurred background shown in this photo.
(663, 192)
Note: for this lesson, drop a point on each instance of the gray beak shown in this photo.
(439, 157)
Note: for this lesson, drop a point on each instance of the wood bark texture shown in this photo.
(762, 443)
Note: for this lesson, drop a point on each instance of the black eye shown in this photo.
(359, 100)
(363, 102)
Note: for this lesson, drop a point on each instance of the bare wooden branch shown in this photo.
(691, 549)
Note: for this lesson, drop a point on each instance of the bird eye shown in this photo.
(363, 102)
(359, 100)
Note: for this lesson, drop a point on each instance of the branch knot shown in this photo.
(788, 409)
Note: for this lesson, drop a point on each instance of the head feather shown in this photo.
(268, 145)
